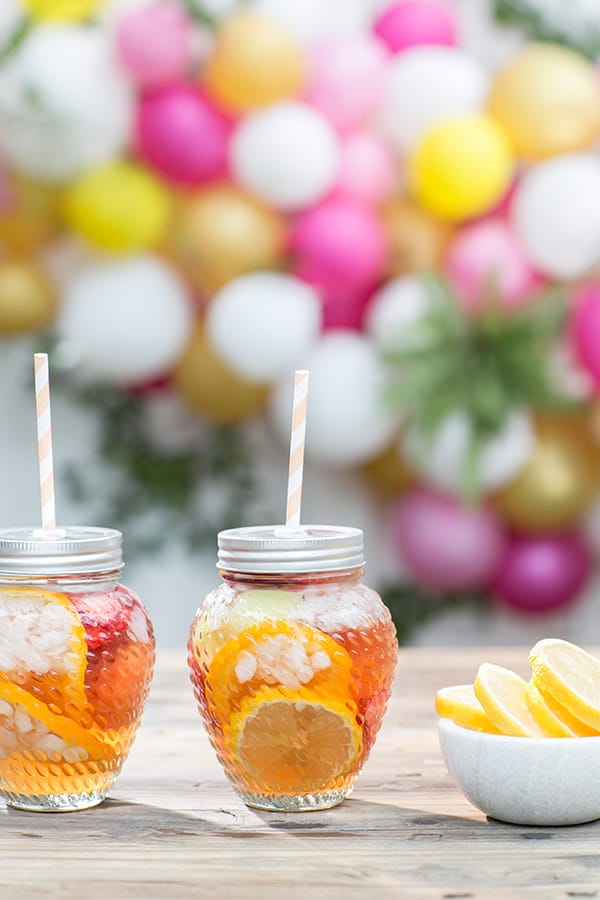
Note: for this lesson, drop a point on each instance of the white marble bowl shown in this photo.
(526, 781)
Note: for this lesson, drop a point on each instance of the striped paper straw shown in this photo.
(44, 431)
(294, 496)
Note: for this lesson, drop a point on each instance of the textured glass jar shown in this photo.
(76, 659)
(292, 660)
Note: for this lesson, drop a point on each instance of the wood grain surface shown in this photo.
(173, 827)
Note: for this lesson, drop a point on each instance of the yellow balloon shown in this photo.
(548, 101)
(254, 62)
(211, 389)
(389, 472)
(462, 167)
(219, 233)
(61, 10)
(29, 214)
(560, 480)
(417, 241)
(27, 299)
(118, 207)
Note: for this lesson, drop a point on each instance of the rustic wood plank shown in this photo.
(174, 828)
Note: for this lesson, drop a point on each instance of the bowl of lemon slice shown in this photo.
(528, 752)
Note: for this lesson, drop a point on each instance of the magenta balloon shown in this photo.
(542, 573)
(585, 330)
(181, 135)
(343, 307)
(339, 243)
(414, 23)
(154, 43)
(445, 545)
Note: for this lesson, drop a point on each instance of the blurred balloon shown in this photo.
(560, 480)
(339, 242)
(287, 155)
(548, 100)
(348, 423)
(61, 10)
(212, 389)
(262, 324)
(154, 43)
(118, 207)
(181, 135)
(29, 215)
(556, 215)
(313, 20)
(411, 23)
(27, 299)
(368, 170)
(389, 471)
(584, 330)
(485, 261)
(462, 167)
(542, 573)
(218, 233)
(81, 114)
(345, 79)
(395, 316)
(445, 545)
(255, 62)
(127, 322)
(442, 459)
(417, 240)
(425, 86)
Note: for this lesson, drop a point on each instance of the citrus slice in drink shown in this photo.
(294, 745)
(570, 675)
(460, 704)
(546, 718)
(503, 695)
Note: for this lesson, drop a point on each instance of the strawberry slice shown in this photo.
(105, 617)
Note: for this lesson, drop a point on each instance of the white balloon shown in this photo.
(395, 314)
(556, 215)
(64, 104)
(425, 85)
(442, 459)
(286, 154)
(127, 321)
(348, 422)
(316, 20)
(262, 324)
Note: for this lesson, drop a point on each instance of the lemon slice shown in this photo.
(570, 675)
(502, 694)
(580, 729)
(294, 745)
(460, 704)
(546, 718)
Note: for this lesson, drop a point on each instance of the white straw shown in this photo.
(44, 432)
(294, 495)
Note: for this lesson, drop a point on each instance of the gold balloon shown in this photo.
(218, 233)
(27, 300)
(255, 62)
(548, 101)
(211, 389)
(560, 480)
(389, 472)
(417, 240)
(29, 214)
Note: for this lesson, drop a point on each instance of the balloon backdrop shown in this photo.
(417, 241)
(27, 297)
(411, 23)
(154, 43)
(585, 330)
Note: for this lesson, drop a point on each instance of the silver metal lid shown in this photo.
(271, 549)
(72, 550)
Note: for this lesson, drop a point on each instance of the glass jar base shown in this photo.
(54, 802)
(295, 802)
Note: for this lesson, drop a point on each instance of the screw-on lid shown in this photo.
(72, 550)
(271, 549)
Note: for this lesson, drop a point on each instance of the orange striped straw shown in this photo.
(294, 496)
(44, 431)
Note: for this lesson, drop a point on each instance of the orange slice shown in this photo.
(546, 718)
(460, 704)
(580, 729)
(294, 745)
(503, 694)
(571, 676)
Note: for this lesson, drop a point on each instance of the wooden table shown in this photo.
(175, 829)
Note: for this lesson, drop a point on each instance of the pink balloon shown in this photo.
(154, 43)
(413, 23)
(339, 243)
(585, 330)
(541, 573)
(343, 307)
(487, 254)
(345, 79)
(445, 545)
(368, 169)
(181, 135)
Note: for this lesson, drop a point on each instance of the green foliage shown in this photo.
(558, 22)
(411, 607)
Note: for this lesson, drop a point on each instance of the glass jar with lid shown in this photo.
(76, 660)
(292, 660)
